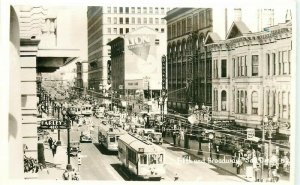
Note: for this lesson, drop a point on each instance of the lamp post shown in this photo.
(210, 137)
(269, 124)
(58, 130)
(67, 120)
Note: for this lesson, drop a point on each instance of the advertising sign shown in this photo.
(53, 124)
(250, 133)
(143, 52)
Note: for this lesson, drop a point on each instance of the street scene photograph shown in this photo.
(151, 93)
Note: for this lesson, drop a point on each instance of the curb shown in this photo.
(196, 156)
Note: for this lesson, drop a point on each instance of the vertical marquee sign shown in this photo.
(163, 70)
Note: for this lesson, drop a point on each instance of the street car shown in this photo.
(156, 137)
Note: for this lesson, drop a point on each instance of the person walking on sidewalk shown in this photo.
(217, 151)
(50, 141)
(54, 147)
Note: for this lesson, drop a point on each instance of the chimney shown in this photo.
(237, 14)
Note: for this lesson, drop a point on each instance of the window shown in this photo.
(216, 100)
(163, 30)
(289, 61)
(115, 9)
(143, 159)
(112, 139)
(144, 10)
(254, 65)
(127, 10)
(109, 51)
(156, 10)
(109, 9)
(285, 62)
(151, 10)
(108, 20)
(160, 159)
(115, 20)
(132, 20)
(268, 63)
(151, 20)
(284, 105)
(162, 10)
(127, 20)
(156, 41)
(162, 21)
(233, 67)
(189, 24)
(120, 9)
(279, 63)
(224, 68)
(121, 30)
(152, 159)
(254, 100)
(156, 29)
(139, 10)
(223, 101)
(139, 20)
(145, 20)
(132, 9)
(242, 102)
(183, 26)
(121, 20)
(127, 30)
(156, 21)
(274, 63)
(109, 30)
(115, 30)
(178, 28)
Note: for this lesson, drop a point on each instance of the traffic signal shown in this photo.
(164, 72)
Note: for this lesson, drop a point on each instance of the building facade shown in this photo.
(136, 64)
(44, 44)
(106, 24)
(188, 61)
(251, 76)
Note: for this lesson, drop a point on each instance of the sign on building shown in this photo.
(53, 124)
(250, 133)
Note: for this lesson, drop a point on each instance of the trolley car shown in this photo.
(108, 136)
(86, 110)
(141, 157)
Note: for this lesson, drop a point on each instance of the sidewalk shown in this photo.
(226, 166)
(55, 165)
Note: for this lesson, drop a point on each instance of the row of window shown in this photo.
(198, 21)
(135, 20)
(139, 10)
(239, 65)
(281, 103)
(126, 30)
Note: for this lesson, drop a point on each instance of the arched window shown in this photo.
(223, 100)
(254, 102)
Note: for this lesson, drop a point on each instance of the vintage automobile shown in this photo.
(156, 137)
(74, 148)
(85, 137)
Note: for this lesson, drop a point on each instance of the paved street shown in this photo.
(98, 164)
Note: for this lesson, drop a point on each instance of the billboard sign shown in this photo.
(143, 52)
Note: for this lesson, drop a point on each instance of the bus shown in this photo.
(108, 136)
(141, 157)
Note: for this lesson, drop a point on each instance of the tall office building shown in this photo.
(106, 24)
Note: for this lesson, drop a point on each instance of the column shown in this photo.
(28, 51)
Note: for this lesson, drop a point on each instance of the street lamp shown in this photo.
(269, 124)
(67, 120)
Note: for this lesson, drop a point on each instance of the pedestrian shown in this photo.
(50, 141)
(234, 158)
(238, 166)
(174, 138)
(54, 147)
(217, 151)
(176, 177)
(66, 175)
